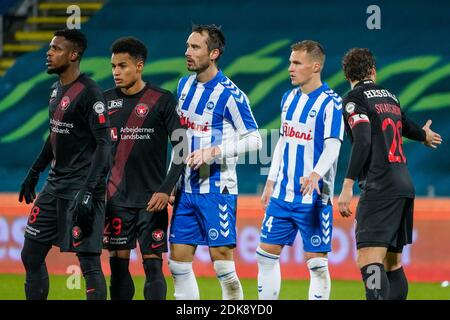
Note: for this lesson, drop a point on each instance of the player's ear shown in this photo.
(317, 67)
(73, 56)
(374, 73)
(140, 66)
(214, 54)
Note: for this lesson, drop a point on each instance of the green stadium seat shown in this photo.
(33, 35)
(16, 47)
(51, 20)
(63, 5)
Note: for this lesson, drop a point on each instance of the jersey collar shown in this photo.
(363, 82)
(213, 82)
(315, 92)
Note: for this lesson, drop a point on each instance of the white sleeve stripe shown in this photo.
(356, 119)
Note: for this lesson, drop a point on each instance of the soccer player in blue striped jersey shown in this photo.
(220, 126)
(299, 189)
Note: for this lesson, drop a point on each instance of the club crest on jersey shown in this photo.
(65, 102)
(158, 235)
(141, 110)
(312, 113)
(316, 241)
(76, 232)
(350, 107)
(213, 234)
(210, 105)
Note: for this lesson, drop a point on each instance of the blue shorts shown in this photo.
(204, 219)
(283, 219)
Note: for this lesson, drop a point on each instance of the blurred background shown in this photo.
(409, 40)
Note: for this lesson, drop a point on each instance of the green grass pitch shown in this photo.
(11, 288)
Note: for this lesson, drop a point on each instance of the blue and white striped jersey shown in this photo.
(306, 121)
(215, 113)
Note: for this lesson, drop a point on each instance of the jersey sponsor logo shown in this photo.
(350, 107)
(290, 131)
(114, 136)
(115, 104)
(136, 133)
(213, 234)
(356, 119)
(65, 102)
(316, 241)
(185, 121)
(158, 235)
(141, 110)
(388, 108)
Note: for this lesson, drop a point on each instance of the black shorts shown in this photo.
(384, 223)
(50, 222)
(124, 226)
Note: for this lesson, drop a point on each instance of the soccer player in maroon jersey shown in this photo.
(376, 123)
(143, 118)
(70, 210)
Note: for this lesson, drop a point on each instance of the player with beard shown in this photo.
(69, 212)
(220, 127)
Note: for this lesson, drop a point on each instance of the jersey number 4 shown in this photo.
(268, 223)
(397, 141)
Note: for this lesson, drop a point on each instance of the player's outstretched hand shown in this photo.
(201, 156)
(267, 193)
(310, 184)
(28, 185)
(344, 200)
(157, 202)
(433, 139)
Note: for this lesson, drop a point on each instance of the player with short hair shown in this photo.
(220, 127)
(70, 210)
(143, 117)
(299, 190)
(375, 124)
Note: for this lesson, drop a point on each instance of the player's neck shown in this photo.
(69, 76)
(135, 88)
(311, 86)
(207, 74)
